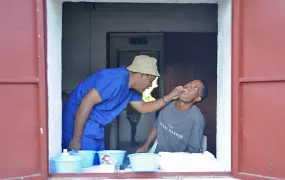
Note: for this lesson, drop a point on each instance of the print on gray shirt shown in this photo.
(180, 131)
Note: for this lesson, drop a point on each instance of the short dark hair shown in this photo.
(203, 91)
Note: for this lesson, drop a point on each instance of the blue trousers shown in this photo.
(87, 143)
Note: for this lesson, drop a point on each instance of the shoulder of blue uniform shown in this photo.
(119, 74)
(114, 71)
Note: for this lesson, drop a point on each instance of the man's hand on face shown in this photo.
(175, 92)
(75, 144)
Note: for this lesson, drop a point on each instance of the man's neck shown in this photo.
(131, 80)
(182, 106)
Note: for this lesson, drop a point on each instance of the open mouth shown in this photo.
(185, 91)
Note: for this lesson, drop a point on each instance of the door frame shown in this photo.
(42, 73)
(113, 52)
(236, 52)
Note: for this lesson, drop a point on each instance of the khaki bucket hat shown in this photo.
(144, 64)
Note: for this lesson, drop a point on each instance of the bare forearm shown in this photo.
(90, 99)
(149, 107)
(81, 117)
(151, 137)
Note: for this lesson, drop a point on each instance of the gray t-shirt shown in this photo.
(180, 131)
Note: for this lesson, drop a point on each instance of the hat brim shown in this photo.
(145, 71)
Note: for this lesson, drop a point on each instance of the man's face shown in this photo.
(144, 82)
(191, 91)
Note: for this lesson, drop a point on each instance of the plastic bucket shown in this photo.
(87, 156)
(118, 155)
(144, 162)
(66, 164)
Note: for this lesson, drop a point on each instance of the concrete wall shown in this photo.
(224, 84)
(146, 18)
(54, 28)
(127, 18)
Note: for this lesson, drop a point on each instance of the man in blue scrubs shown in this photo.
(97, 101)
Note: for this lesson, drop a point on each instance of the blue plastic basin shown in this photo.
(119, 155)
(66, 164)
(144, 162)
(87, 157)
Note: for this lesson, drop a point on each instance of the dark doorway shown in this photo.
(129, 125)
(189, 56)
(122, 134)
(186, 56)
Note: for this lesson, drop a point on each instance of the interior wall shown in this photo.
(54, 21)
(146, 18)
(76, 52)
(129, 18)
(224, 83)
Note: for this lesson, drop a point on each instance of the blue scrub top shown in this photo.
(113, 87)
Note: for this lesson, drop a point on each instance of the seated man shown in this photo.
(180, 125)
